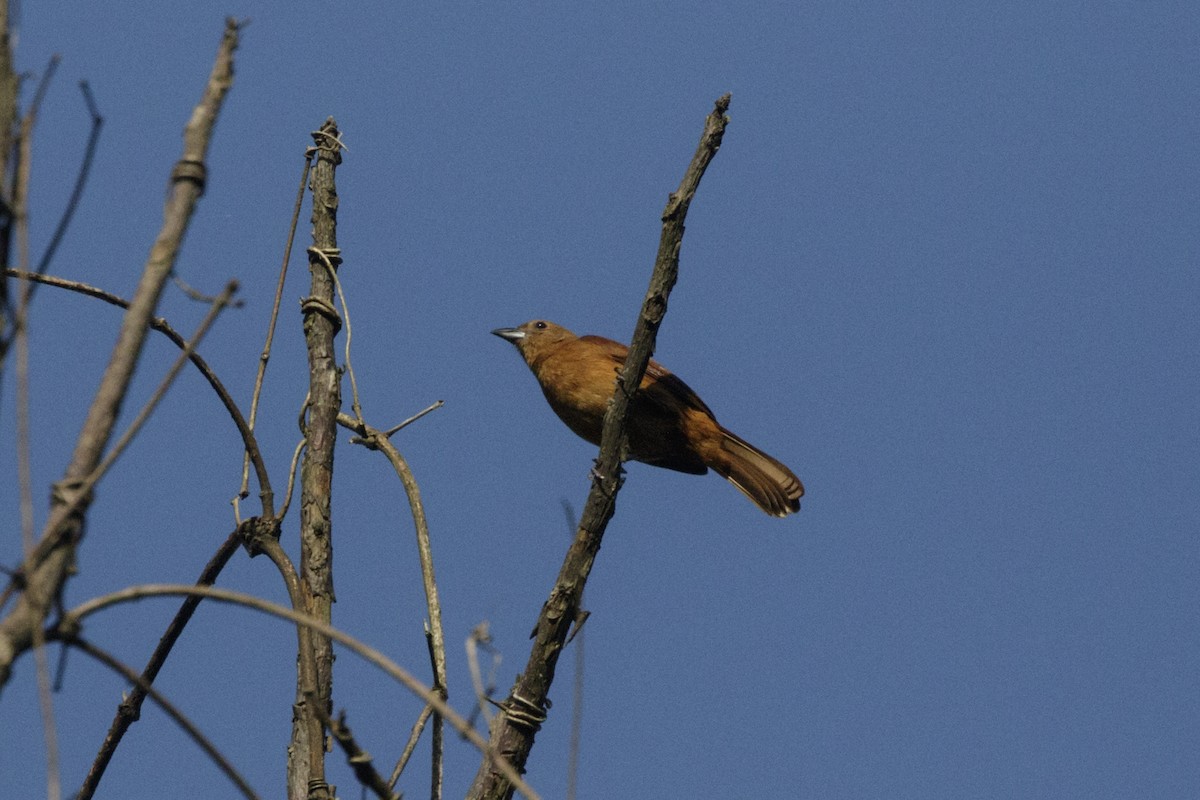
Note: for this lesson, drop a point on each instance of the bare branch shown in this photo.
(174, 713)
(129, 710)
(73, 619)
(524, 711)
(65, 526)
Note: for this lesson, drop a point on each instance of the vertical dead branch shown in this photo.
(524, 710)
(45, 573)
(306, 763)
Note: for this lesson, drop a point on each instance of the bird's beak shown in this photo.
(513, 335)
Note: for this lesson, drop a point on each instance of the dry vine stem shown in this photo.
(45, 573)
(524, 711)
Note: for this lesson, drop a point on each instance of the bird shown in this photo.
(668, 426)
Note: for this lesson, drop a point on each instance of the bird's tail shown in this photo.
(768, 483)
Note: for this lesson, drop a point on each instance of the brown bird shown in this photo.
(668, 425)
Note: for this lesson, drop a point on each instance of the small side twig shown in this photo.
(218, 305)
(291, 484)
(434, 406)
(358, 759)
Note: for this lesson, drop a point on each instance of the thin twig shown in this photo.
(437, 660)
(525, 709)
(85, 169)
(287, 497)
(73, 619)
(481, 637)
(265, 356)
(9, 90)
(430, 408)
(193, 293)
(174, 713)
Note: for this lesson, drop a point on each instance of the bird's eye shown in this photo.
(541, 326)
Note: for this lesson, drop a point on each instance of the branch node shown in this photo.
(187, 169)
(316, 305)
(255, 531)
(524, 712)
(581, 617)
(332, 255)
(330, 138)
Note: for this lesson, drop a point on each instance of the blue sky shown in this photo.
(944, 266)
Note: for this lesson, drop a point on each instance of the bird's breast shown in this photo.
(578, 391)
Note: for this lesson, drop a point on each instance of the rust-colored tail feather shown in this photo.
(768, 483)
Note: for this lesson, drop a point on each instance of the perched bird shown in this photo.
(668, 425)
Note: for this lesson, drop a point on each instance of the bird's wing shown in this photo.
(659, 384)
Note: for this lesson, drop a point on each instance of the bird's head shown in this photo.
(535, 338)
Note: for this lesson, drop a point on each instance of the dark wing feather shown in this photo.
(656, 434)
(659, 384)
